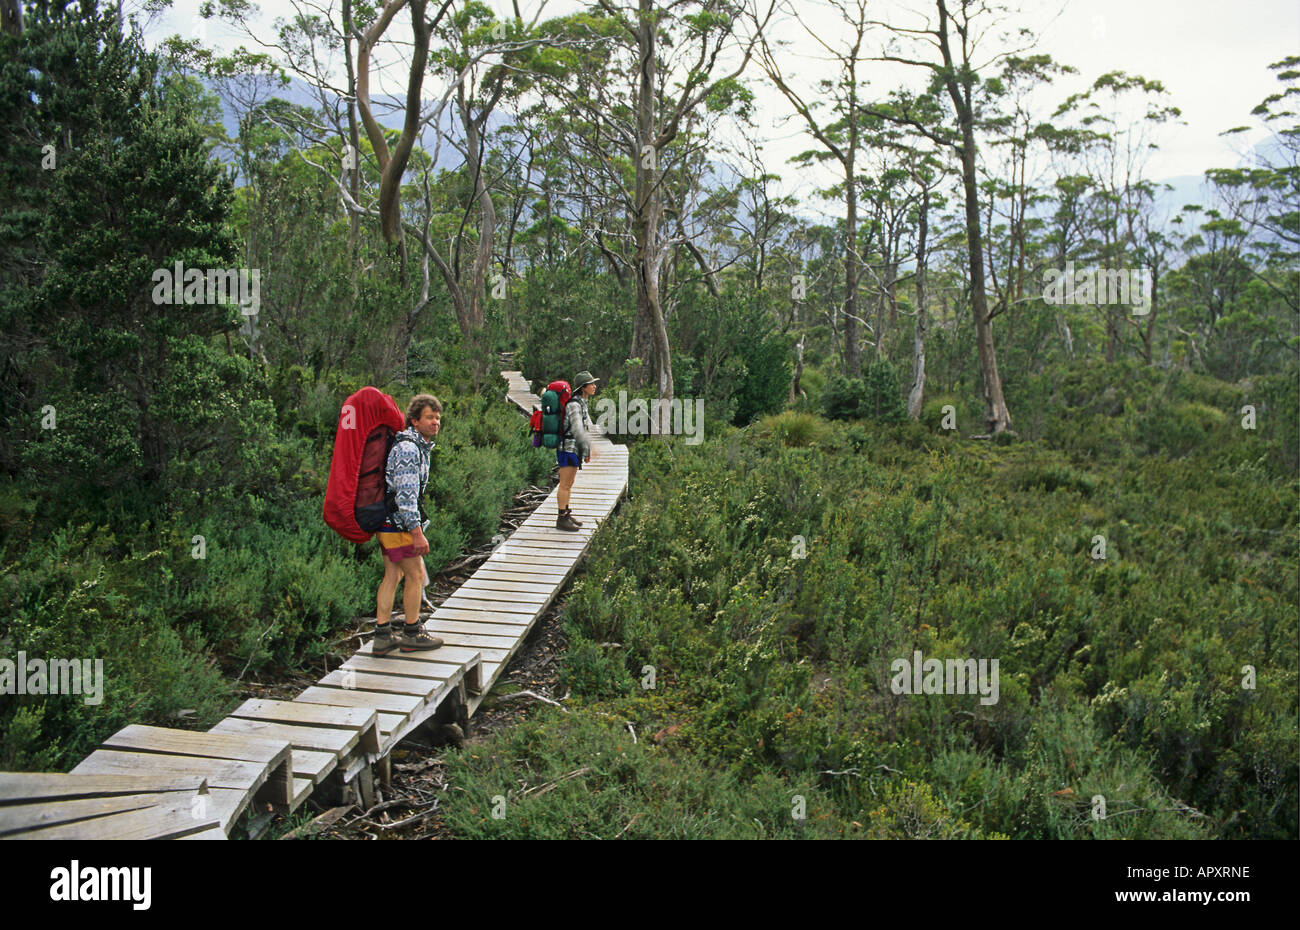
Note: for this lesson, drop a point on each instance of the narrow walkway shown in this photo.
(158, 783)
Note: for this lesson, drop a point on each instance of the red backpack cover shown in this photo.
(366, 421)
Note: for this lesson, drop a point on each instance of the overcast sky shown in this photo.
(1211, 55)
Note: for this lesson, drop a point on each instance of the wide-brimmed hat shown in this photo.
(583, 379)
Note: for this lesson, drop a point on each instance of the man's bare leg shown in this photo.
(387, 591)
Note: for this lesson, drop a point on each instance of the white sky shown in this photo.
(1210, 54)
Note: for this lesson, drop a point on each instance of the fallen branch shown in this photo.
(628, 827)
(550, 785)
(465, 561)
(414, 818)
(319, 823)
(534, 696)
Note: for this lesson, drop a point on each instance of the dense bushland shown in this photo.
(770, 577)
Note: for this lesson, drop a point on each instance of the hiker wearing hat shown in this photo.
(575, 447)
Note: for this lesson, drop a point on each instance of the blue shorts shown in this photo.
(567, 459)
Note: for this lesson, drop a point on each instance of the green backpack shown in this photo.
(554, 399)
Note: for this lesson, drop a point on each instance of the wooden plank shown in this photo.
(31, 786)
(501, 585)
(242, 748)
(352, 718)
(171, 820)
(273, 755)
(493, 617)
(550, 537)
(447, 654)
(399, 705)
(359, 719)
(302, 788)
(311, 764)
(562, 556)
(220, 773)
(427, 664)
(460, 643)
(523, 577)
(510, 634)
(392, 664)
(211, 833)
(321, 739)
(521, 563)
(482, 593)
(16, 818)
(390, 684)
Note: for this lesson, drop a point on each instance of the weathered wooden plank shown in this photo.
(220, 773)
(361, 720)
(273, 755)
(550, 537)
(522, 598)
(501, 631)
(242, 748)
(447, 654)
(302, 788)
(349, 679)
(16, 818)
(406, 664)
(501, 585)
(523, 577)
(522, 563)
(399, 705)
(518, 555)
(529, 566)
(321, 739)
(170, 820)
(353, 718)
(51, 786)
(211, 833)
(462, 643)
(478, 615)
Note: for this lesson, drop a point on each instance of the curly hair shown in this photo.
(415, 409)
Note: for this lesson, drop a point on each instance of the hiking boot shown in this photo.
(384, 641)
(565, 522)
(569, 511)
(413, 638)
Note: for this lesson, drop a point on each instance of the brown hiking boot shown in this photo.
(414, 639)
(384, 641)
(569, 511)
(564, 521)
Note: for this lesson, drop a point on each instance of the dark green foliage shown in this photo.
(730, 354)
(770, 579)
(573, 320)
(875, 396)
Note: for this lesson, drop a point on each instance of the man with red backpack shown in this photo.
(401, 538)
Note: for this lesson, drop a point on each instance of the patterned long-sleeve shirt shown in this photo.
(407, 473)
(577, 421)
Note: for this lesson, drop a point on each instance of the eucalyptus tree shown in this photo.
(950, 46)
(1264, 194)
(630, 99)
(1115, 152)
(839, 133)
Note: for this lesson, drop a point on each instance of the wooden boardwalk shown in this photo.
(159, 783)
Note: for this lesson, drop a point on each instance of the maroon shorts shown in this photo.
(396, 546)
